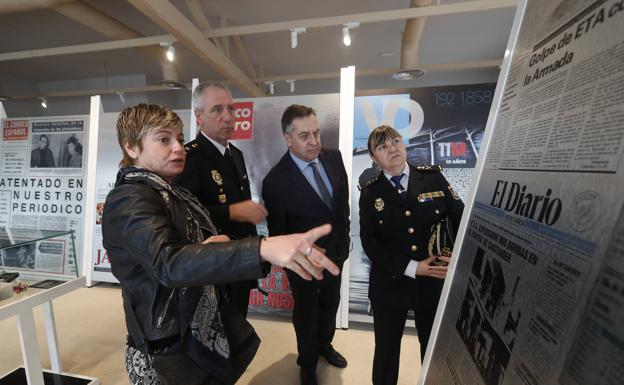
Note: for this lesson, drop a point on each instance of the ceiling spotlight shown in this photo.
(292, 85)
(271, 87)
(44, 103)
(346, 36)
(293, 36)
(170, 54)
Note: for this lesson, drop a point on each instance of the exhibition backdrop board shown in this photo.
(537, 290)
(259, 136)
(108, 158)
(261, 153)
(41, 188)
(440, 125)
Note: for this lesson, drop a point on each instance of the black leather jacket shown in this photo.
(150, 256)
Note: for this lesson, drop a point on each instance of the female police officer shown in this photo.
(408, 215)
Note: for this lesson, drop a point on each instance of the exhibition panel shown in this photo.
(535, 296)
(440, 125)
(41, 188)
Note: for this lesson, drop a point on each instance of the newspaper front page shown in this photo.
(541, 237)
(41, 188)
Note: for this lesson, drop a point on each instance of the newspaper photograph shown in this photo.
(56, 147)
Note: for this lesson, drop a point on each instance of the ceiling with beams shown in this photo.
(450, 39)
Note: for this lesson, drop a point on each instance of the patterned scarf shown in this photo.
(206, 326)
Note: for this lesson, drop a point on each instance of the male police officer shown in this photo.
(215, 173)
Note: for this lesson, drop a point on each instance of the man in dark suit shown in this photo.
(215, 173)
(408, 218)
(42, 156)
(306, 188)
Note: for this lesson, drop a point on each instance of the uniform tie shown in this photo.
(397, 184)
(227, 156)
(323, 192)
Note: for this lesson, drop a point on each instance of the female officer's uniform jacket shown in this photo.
(395, 231)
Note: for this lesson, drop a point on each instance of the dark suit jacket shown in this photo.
(216, 184)
(395, 231)
(41, 158)
(295, 207)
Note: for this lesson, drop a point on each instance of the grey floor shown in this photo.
(91, 332)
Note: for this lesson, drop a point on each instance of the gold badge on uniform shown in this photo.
(222, 198)
(453, 193)
(379, 204)
(217, 177)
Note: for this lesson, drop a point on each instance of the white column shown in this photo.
(89, 218)
(193, 131)
(345, 143)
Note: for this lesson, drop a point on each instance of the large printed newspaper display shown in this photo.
(537, 292)
(41, 188)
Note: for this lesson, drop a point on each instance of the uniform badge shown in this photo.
(217, 177)
(222, 198)
(453, 193)
(379, 204)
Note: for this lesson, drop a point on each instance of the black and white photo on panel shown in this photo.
(489, 317)
(19, 257)
(56, 150)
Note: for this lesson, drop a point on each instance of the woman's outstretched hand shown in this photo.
(297, 253)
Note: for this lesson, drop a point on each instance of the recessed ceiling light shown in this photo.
(172, 84)
(409, 74)
(387, 54)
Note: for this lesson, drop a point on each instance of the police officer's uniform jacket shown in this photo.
(213, 180)
(395, 231)
(217, 183)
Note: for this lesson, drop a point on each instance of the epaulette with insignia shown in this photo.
(190, 147)
(368, 183)
(428, 168)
